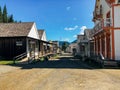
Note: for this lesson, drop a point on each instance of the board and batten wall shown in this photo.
(12, 46)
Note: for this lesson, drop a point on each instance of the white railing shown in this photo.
(98, 27)
(98, 12)
(107, 23)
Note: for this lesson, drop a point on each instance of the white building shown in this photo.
(106, 32)
(85, 44)
(73, 47)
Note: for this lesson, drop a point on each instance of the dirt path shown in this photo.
(64, 74)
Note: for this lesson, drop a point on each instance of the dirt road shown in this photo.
(63, 74)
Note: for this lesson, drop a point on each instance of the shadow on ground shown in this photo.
(62, 63)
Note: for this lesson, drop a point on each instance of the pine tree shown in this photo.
(5, 18)
(1, 18)
(10, 19)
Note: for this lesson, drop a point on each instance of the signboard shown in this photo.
(32, 42)
(19, 43)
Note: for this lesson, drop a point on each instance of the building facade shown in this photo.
(18, 38)
(85, 43)
(106, 31)
(73, 48)
(24, 38)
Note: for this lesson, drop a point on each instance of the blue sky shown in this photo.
(61, 19)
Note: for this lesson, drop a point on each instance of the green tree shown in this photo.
(64, 46)
(1, 18)
(10, 19)
(5, 18)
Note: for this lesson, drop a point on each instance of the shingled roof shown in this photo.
(15, 29)
(40, 32)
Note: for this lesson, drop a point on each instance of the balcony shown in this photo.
(97, 14)
(102, 25)
(107, 23)
(98, 27)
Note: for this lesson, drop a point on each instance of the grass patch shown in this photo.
(55, 56)
(42, 59)
(6, 62)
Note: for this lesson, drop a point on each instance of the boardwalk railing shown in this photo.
(19, 57)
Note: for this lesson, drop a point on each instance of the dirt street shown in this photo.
(63, 74)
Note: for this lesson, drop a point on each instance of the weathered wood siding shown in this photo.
(9, 48)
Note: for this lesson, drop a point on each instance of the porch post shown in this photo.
(100, 44)
(97, 46)
(27, 47)
(105, 46)
(94, 45)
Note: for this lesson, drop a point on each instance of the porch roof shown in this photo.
(48, 42)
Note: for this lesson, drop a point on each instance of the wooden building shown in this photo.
(85, 43)
(24, 39)
(18, 38)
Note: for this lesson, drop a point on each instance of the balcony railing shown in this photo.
(107, 22)
(97, 14)
(102, 25)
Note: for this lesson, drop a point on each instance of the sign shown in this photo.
(32, 42)
(19, 43)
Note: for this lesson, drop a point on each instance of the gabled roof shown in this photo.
(40, 32)
(15, 29)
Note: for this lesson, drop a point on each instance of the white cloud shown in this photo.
(75, 36)
(82, 29)
(68, 8)
(71, 28)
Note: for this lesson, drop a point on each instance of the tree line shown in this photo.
(4, 17)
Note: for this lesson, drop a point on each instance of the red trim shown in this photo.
(113, 43)
(118, 28)
(110, 2)
(116, 5)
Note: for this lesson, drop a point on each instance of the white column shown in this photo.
(97, 46)
(100, 45)
(88, 49)
(94, 45)
(27, 47)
